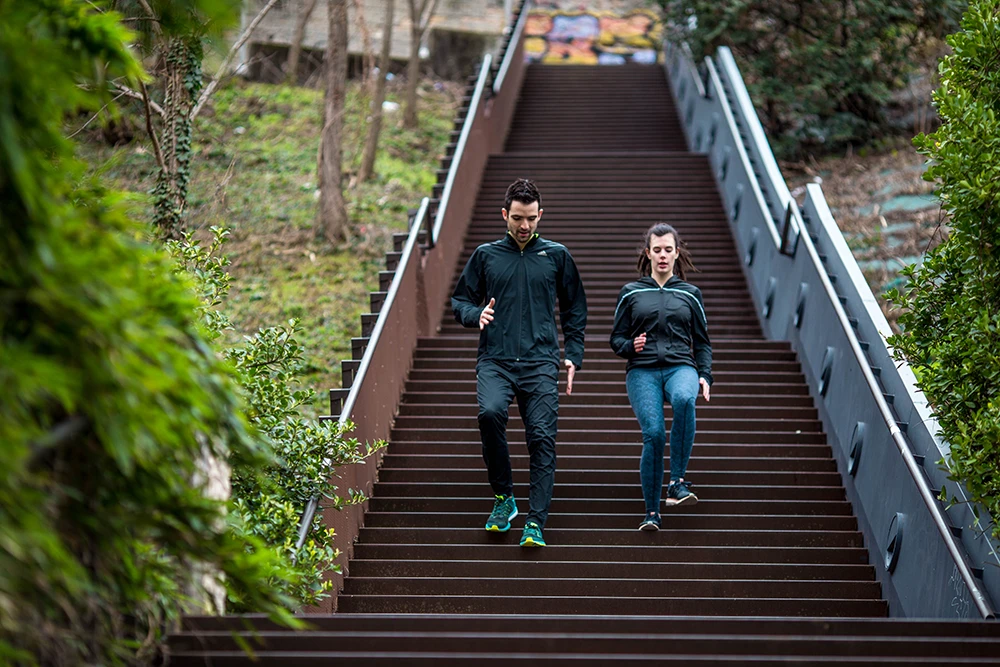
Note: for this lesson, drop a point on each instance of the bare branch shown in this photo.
(147, 103)
(128, 92)
(425, 20)
(156, 23)
(210, 88)
(94, 117)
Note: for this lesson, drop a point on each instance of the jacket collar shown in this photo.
(650, 282)
(513, 243)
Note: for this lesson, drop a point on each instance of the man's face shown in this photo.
(662, 253)
(522, 220)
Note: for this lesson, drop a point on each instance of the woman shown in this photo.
(661, 329)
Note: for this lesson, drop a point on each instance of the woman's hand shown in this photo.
(704, 387)
(639, 342)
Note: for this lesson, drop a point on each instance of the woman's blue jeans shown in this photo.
(648, 389)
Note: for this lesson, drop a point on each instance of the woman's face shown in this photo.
(662, 253)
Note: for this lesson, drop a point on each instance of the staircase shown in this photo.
(768, 568)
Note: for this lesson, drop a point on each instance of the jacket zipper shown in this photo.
(520, 303)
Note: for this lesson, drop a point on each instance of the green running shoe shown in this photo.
(504, 509)
(532, 535)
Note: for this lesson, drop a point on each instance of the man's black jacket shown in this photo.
(673, 319)
(526, 284)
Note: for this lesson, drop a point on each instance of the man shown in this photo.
(520, 279)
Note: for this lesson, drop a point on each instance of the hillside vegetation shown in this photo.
(255, 174)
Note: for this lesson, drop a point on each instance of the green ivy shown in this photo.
(951, 322)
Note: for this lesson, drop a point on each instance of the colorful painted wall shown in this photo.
(593, 37)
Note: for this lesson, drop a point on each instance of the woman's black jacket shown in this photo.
(673, 318)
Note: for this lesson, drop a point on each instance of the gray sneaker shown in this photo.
(680, 493)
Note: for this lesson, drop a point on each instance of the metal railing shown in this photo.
(723, 124)
(509, 53)
(456, 159)
(390, 298)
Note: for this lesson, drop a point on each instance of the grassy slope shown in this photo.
(255, 173)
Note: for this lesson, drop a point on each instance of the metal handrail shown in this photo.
(930, 500)
(456, 158)
(366, 358)
(741, 150)
(923, 488)
(759, 139)
(508, 56)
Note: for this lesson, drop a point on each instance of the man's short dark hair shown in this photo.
(524, 191)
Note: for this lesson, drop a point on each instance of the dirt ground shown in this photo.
(886, 210)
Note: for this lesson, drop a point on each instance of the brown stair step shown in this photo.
(580, 396)
(852, 629)
(671, 521)
(609, 491)
(603, 477)
(707, 421)
(744, 345)
(571, 410)
(482, 504)
(465, 349)
(582, 387)
(697, 464)
(406, 658)
(474, 446)
(489, 641)
(721, 377)
(569, 435)
(515, 570)
(639, 554)
(610, 587)
(622, 606)
(595, 537)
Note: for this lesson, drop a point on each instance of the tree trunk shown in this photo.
(332, 213)
(385, 59)
(413, 74)
(295, 51)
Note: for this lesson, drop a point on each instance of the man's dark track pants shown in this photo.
(536, 387)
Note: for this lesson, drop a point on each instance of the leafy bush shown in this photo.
(267, 502)
(111, 399)
(951, 325)
(820, 72)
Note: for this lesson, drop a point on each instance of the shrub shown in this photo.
(951, 323)
(268, 501)
(111, 398)
(820, 72)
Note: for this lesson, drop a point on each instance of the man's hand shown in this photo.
(704, 387)
(639, 342)
(571, 370)
(486, 316)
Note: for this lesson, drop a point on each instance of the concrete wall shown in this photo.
(484, 17)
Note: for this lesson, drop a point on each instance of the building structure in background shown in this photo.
(612, 32)
(460, 32)
(561, 31)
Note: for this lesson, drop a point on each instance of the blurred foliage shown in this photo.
(112, 400)
(268, 502)
(820, 72)
(951, 321)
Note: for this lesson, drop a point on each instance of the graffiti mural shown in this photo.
(592, 37)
